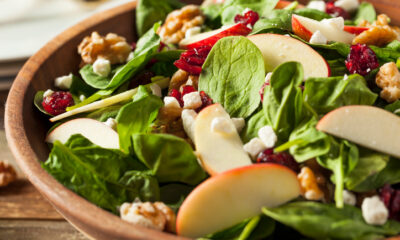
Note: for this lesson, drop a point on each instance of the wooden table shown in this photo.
(24, 213)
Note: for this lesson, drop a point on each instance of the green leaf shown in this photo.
(232, 75)
(212, 12)
(233, 7)
(103, 114)
(325, 221)
(278, 21)
(79, 87)
(170, 158)
(283, 104)
(312, 13)
(136, 117)
(149, 12)
(37, 101)
(105, 177)
(93, 79)
(327, 94)
(253, 124)
(394, 107)
(366, 11)
(386, 54)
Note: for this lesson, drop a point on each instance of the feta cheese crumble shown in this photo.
(102, 67)
(221, 125)
(239, 124)
(349, 198)
(111, 123)
(374, 211)
(155, 89)
(48, 93)
(318, 38)
(63, 82)
(254, 147)
(192, 100)
(188, 119)
(267, 136)
(82, 98)
(348, 5)
(171, 102)
(318, 5)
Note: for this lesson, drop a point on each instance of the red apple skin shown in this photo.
(236, 171)
(355, 30)
(236, 30)
(282, 4)
(300, 30)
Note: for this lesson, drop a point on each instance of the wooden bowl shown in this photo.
(26, 127)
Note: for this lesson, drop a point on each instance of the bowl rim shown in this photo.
(58, 195)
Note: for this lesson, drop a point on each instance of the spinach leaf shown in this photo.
(312, 13)
(254, 123)
(232, 75)
(327, 94)
(79, 87)
(170, 158)
(37, 101)
(94, 97)
(389, 175)
(103, 114)
(165, 63)
(325, 221)
(258, 227)
(386, 54)
(330, 51)
(366, 11)
(338, 67)
(212, 12)
(283, 104)
(369, 164)
(394, 107)
(93, 79)
(136, 117)
(233, 7)
(148, 12)
(342, 158)
(174, 194)
(278, 21)
(105, 177)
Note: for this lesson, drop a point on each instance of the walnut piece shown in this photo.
(152, 215)
(380, 32)
(388, 78)
(309, 185)
(178, 22)
(7, 174)
(111, 47)
(181, 78)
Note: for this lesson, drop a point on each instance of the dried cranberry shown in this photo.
(282, 158)
(250, 17)
(177, 95)
(193, 59)
(336, 11)
(162, 46)
(262, 90)
(205, 100)
(361, 60)
(187, 89)
(57, 102)
(391, 198)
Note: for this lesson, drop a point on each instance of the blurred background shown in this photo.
(26, 25)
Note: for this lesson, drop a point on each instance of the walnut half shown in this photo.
(388, 78)
(7, 174)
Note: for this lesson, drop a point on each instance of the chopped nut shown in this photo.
(309, 185)
(7, 174)
(152, 215)
(181, 78)
(379, 34)
(111, 47)
(178, 22)
(388, 78)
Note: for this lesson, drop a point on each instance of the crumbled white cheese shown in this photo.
(130, 56)
(48, 93)
(82, 98)
(111, 123)
(254, 147)
(222, 125)
(348, 5)
(267, 136)
(337, 22)
(192, 32)
(63, 82)
(239, 123)
(349, 198)
(268, 77)
(188, 119)
(318, 5)
(171, 102)
(192, 100)
(102, 67)
(249, 26)
(318, 38)
(345, 77)
(131, 212)
(374, 211)
(155, 89)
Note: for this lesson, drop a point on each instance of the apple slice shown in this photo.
(277, 49)
(96, 131)
(282, 4)
(218, 152)
(305, 27)
(225, 200)
(355, 30)
(210, 38)
(367, 126)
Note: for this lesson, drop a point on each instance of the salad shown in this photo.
(235, 119)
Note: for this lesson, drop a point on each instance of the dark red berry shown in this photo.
(250, 17)
(187, 89)
(361, 60)
(282, 158)
(335, 11)
(177, 95)
(162, 46)
(205, 100)
(391, 198)
(57, 102)
(193, 59)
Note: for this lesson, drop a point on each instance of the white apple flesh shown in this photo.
(96, 131)
(218, 152)
(367, 126)
(229, 198)
(277, 49)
